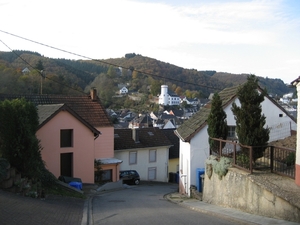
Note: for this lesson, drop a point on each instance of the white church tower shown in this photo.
(164, 96)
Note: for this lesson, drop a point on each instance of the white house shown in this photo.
(194, 146)
(25, 70)
(123, 90)
(145, 150)
(168, 98)
(190, 101)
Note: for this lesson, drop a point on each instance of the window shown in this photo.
(152, 173)
(132, 157)
(231, 132)
(66, 138)
(152, 156)
(107, 175)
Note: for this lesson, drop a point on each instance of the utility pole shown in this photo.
(42, 76)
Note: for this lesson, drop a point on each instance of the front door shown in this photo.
(66, 164)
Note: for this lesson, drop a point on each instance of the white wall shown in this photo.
(280, 126)
(193, 154)
(184, 165)
(143, 164)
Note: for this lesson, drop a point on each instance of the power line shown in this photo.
(111, 64)
(40, 72)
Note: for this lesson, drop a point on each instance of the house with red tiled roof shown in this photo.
(74, 131)
(145, 150)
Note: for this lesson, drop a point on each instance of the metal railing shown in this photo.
(278, 160)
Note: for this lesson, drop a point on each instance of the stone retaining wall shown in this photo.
(237, 190)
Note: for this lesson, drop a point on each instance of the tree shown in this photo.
(39, 66)
(155, 87)
(19, 145)
(111, 72)
(249, 118)
(217, 123)
(178, 91)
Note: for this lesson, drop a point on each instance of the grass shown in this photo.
(57, 189)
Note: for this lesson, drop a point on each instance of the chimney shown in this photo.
(135, 135)
(93, 94)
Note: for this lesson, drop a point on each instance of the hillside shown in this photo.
(65, 76)
(206, 81)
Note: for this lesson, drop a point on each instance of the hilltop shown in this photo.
(139, 73)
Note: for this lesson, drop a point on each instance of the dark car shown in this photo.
(130, 176)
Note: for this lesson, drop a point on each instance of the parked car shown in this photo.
(130, 176)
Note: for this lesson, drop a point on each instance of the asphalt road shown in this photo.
(145, 204)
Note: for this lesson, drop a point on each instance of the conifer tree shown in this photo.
(19, 145)
(217, 123)
(249, 118)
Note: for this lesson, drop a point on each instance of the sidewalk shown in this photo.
(17, 209)
(228, 213)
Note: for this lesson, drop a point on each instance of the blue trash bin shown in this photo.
(76, 184)
(177, 177)
(199, 172)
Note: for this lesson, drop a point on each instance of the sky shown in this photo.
(260, 37)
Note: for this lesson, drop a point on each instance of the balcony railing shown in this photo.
(278, 160)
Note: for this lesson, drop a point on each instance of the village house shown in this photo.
(145, 150)
(194, 146)
(74, 131)
(123, 91)
(167, 97)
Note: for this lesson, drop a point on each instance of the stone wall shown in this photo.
(238, 190)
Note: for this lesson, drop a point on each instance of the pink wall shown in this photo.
(104, 148)
(83, 146)
(115, 170)
(104, 144)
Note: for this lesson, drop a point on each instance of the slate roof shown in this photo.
(193, 125)
(92, 111)
(177, 112)
(147, 138)
(174, 150)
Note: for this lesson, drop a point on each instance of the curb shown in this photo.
(208, 212)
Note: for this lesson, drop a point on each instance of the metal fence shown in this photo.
(249, 158)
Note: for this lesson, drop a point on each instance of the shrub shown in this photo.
(219, 167)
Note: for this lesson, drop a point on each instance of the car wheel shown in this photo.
(137, 182)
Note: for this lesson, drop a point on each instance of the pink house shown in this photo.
(74, 131)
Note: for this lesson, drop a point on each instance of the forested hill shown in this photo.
(69, 76)
(191, 79)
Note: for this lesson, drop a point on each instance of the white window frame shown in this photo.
(132, 158)
(152, 173)
(152, 155)
(231, 132)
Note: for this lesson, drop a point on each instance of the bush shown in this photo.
(19, 145)
(219, 167)
(4, 164)
(291, 159)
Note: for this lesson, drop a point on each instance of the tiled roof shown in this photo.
(90, 110)
(191, 126)
(147, 137)
(174, 150)
(47, 112)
